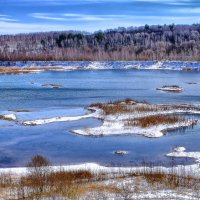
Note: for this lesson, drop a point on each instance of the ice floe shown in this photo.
(60, 119)
(180, 152)
(55, 119)
(171, 88)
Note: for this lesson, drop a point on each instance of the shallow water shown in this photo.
(81, 88)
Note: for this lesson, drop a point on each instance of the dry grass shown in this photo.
(25, 70)
(53, 85)
(5, 180)
(48, 184)
(68, 184)
(171, 86)
(171, 181)
(71, 176)
(134, 106)
(125, 106)
(154, 120)
(2, 117)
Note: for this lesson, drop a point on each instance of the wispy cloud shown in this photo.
(129, 18)
(4, 15)
(188, 10)
(73, 17)
(7, 18)
(46, 16)
(91, 15)
(126, 21)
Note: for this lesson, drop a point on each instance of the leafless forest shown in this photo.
(168, 42)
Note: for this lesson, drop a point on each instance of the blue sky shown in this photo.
(23, 16)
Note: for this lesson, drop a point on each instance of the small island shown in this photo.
(53, 85)
(120, 152)
(171, 88)
(8, 117)
(139, 117)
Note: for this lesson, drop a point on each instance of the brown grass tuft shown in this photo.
(25, 70)
(171, 181)
(154, 120)
(125, 106)
(50, 184)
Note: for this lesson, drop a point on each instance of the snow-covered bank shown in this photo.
(94, 113)
(177, 182)
(55, 119)
(193, 170)
(38, 66)
(118, 123)
(118, 128)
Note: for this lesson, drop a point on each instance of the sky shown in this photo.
(25, 16)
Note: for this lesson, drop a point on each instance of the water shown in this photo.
(81, 88)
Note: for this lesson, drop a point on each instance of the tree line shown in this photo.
(155, 42)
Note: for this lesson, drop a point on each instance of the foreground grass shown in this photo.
(41, 182)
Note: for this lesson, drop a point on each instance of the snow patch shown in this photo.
(11, 117)
(115, 124)
(118, 128)
(179, 152)
(192, 170)
(95, 113)
(179, 149)
(55, 119)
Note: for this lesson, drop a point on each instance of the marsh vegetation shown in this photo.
(42, 181)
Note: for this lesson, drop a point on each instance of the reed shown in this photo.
(154, 120)
(83, 184)
(25, 70)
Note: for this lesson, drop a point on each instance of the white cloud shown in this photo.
(73, 17)
(4, 15)
(47, 17)
(8, 19)
(116, 18)
(188, 10)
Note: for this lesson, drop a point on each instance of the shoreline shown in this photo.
(27, 67)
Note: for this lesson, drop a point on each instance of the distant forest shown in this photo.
(167, 42)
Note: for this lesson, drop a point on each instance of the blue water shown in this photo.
(81, 88)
